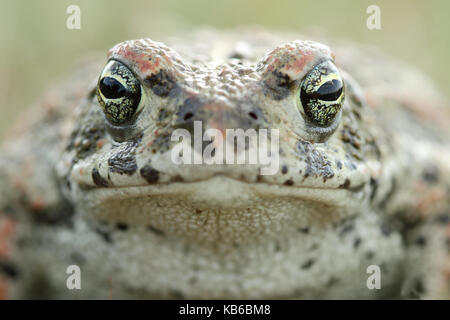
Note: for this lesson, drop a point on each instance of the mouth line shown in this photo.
(220, 186)
(226, 178)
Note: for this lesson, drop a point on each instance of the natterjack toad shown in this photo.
(88, 177)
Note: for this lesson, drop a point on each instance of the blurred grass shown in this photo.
(37, 48)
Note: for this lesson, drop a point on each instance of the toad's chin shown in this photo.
(206, 208)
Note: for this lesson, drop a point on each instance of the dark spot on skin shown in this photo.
(104, 234)
(346, 229)
(339, 164)
(236, 55)
(389, 194)
(162, 84)
(187, 116)
(370, 142)
(59, 214)
(443, 218)
(193, 280)
(373, 188)
(370, 255)
(417, 290)
(198, 211)
(357, 242)
(317, 164)
(304, 230)
(349, 135)
(255, 120)
(332, 282)
(150, 174)
(98, 179)
(408, 224)
(421, 241)
(386, 229)
(277, 247)
(156, 231)
(308, 264)
(357, 114)
(122, 226)
(84, 138)
(8, 210)
(298, 293)
(189, 112)
(124, 161)
(9, 269)
(177, 294)
(67, 183)
(289, 182)
(161, 143)
(431, 174)
(278, 86)
(253, 115)
(178, 178)
(345, 185)
(77, 258)
(164, 115)
(284, 169)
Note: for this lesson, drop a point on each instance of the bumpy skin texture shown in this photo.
(76, 190)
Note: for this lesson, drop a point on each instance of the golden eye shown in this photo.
(322, 94)
(119, 93)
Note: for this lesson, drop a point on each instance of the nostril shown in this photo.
(188, 115)
(253, 115)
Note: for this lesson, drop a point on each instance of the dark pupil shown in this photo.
(111, 88)
(329, 91)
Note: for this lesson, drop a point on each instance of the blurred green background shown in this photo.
(36, 47)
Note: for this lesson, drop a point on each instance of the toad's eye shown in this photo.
(119, 93)
(322, 94)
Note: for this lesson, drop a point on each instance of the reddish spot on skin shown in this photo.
(100, 144)
(272, 64)
(18, 184)
(371, 99)
(141, 59)
(7, 229)
(217, 121)
(428, 199)
(51, 101)
(299, 64)
(3, 289)
(37, 204)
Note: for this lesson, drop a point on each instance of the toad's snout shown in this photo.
(218, 115)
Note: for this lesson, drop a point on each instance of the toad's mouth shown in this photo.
(217, 195)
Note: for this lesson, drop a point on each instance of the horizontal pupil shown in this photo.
(329, 91)
(111, 88)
